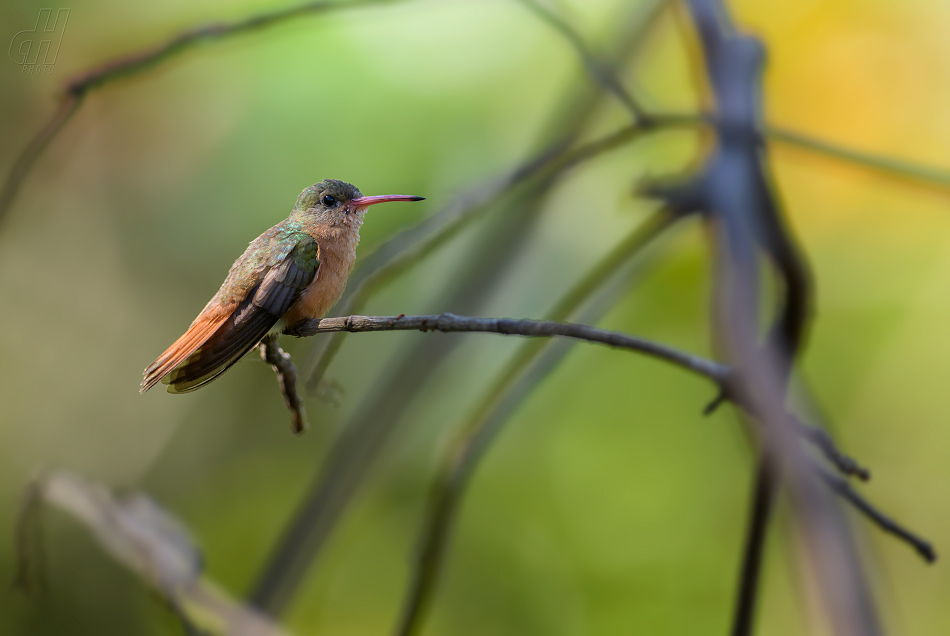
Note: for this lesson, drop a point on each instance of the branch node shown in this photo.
(721, 398)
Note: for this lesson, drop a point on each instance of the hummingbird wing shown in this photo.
(257, 293)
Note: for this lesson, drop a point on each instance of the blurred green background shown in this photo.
(609, 505)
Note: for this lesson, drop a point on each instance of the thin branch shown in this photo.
(142, 60)
(283, 366)
(912, 171)
(106, 73)
(600, 72)
(765, 489)
(449, 323)
(843, 488)
(822, 440)
(917, 172)
(21, 167)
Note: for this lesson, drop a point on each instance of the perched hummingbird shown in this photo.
(292, 272)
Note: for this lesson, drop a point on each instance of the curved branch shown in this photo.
(909, 170)
(600, 72)
(448, 323)
(878, 518)
(764, 493)
(81, 83)
(23, 164)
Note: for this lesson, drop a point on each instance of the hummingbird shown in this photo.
(292, 272)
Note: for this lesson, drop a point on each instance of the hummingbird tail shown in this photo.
(209, 348)
(192, 340)
(223, 349)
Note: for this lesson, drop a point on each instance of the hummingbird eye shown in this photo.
(328, 200)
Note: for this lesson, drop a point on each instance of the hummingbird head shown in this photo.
(339, 203)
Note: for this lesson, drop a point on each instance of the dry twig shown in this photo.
(283, 366)
(448, 323)
(875, 516)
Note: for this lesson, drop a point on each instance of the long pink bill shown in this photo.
(362, 202)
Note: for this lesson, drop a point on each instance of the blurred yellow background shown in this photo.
(609, 505)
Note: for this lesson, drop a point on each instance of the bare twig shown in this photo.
(602, 73)
(98, 76)
(765, 489)
(843, 488)
(910, 170)
(448, 323)
(142, 60)
(822, 440)
(21, 167)
(283, 366)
